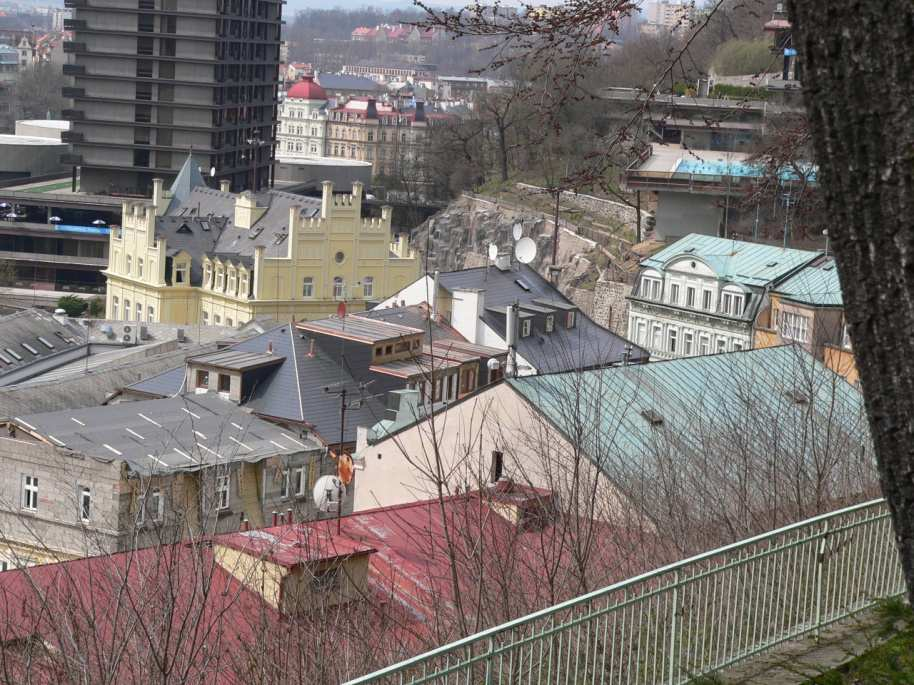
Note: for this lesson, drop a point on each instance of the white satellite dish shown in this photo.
(518, 231)
(212, 171)
(493, 251)
(525, 250)
(328, 490)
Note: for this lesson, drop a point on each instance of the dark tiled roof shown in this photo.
(33, 335)
(414, 316)
(175, 433)
(587, 345)
(294, 391)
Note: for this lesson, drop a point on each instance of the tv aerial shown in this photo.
(525, 250)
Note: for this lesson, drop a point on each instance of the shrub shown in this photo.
(72, 305)
(741, 57)
(740, 92)
(97, 307)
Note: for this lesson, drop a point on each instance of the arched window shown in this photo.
(338, 287)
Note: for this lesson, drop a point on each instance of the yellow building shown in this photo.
(199, 255)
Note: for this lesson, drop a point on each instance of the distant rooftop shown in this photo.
(751, 264)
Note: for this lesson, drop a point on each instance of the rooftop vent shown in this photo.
(523, 285)
(652, 417)
(689, 249)
(47, 344)
(771, 264)
(29, 348)
(797, 396)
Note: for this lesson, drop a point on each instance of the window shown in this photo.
(339, 257)
(687, 341)
(298, 481)
(690, 296)
(525, 327)
(129, 265)
(674, 293)
(337, 287)
(286, 481)
(243, 291)
(657, 337)
(30, 493)
(307, 287)
(154, 504)
(232, 282)
(641, 334)
(721, 345)
(222, 492)
(732, 304)
(126, 310)
(207, 275)
(217, 319)
(181, 272)
(139, 267)
(571, 319)
(139, 311)
(225, 382)
(151, 314)
(706, 303)
(550, 323)
(793, 326)
(845, 338)
(650, 288)
(220, 278)
(205, 317)
(202, 378)
(114, 307)
(704, 344)
(228, 322)
(737, 345)
(671, 340)
(85, 503)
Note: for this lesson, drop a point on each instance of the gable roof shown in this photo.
(188, 178)
(586, 345)
(815, 285)
(620, 407)
(751, 264)
(294, 391)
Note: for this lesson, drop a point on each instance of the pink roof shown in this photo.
(306, 89)
(117, 616)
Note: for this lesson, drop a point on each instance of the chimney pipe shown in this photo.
(511, 339)
(290, 516)
(311, 348)
(225, 185)
(435, 296)
(270, 347)
(275, 516)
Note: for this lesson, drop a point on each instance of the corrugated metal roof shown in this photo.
(359, 328)
(172, 434)
(698, 397)
(237, 360)
(414, 316)
(815, 285)
(750, 264)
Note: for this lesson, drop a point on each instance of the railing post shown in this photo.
(674, 625)
(820, 563)
(489, 660)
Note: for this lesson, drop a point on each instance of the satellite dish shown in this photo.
(328, 490)
(493, 251)
(518, 231)
(212, 171)
(525, 250)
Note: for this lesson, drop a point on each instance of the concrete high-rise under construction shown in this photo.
(155, 79)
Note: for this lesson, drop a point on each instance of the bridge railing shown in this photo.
(690, 618)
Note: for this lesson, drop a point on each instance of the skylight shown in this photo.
(29, 348)
(13, 354)
(522, 284)
(47, 344)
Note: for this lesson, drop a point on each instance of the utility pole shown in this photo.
(555, 230)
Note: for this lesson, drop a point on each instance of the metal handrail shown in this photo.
(663, 614)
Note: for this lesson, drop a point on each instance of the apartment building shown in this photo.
(196, 255)
(80, 482)
(302, 121)
(702, 294)
(155, 78)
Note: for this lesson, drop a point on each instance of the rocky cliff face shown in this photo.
(459, 237)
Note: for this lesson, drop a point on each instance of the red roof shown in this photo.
(117, 616)
(306, 89)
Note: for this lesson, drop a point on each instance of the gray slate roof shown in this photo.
(187, 179)
(587, 345)
(414, 316)
(33, 336)
(359, 328)
(166, 435)
(294, 392)
(237, 360)
(347, 82)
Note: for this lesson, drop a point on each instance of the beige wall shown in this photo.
(400, 468)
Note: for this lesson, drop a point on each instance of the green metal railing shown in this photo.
(689, 618)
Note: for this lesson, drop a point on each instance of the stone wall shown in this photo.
(610, 307)
(617, 212)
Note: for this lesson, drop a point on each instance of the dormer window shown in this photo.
(243, 292)
(732, 303)
(220, 278)
(232, 282)
(208, 275)
(571, 319)
(129, 264)
(550, 323)
(650, 288)
(181, 272)
(525, 328)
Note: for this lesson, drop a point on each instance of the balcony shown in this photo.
(71, 159)
(74, 70)
(70, 92)
(71, 137)
(70, 46)
(74, 24)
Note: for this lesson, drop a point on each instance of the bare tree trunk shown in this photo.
(859, 89)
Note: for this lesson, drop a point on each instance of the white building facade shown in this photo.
(303, 121)
(702, 294)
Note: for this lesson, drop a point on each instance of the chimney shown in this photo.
(503, 261)
(275, 516)
(60, 315)
(225, 185)
(311, 348)
(289, 512)
(526, 507)
(326, 199)
(435, 296)
(270, 347)
(371, 112)
(420, 110)
(158, 195)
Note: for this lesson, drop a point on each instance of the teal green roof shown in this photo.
(737, 401)
(815, 285)
(751, 264)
